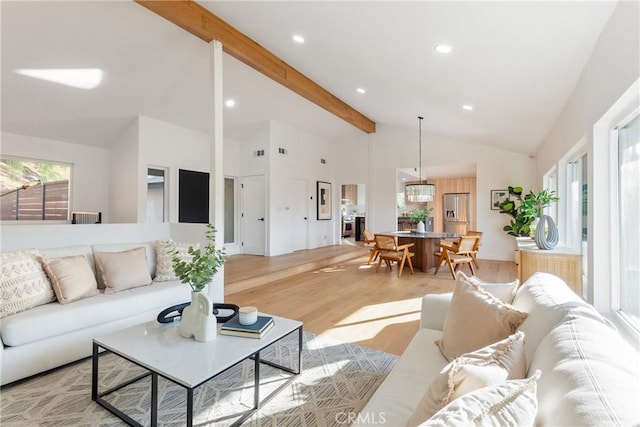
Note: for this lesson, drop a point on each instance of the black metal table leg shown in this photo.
(189, 407)
(256, 381)
(154, 399)
(94, 373)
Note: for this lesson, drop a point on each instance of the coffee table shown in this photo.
(161, 351)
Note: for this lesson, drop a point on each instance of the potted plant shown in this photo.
(524, 209)
(419, 216)
(197, 319)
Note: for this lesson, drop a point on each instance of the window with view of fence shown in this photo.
(34, 191)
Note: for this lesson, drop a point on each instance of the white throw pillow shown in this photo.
(512, 403)
(505, 292)
(164, 268)
(123, 270)
(71, 277)
(23, 282)
(476, 319)
(490, 365)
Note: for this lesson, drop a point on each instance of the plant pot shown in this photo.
(198, 320)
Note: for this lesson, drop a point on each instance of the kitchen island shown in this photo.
(425, 245)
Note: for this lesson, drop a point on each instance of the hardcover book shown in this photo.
(234, 325)
(247, 334)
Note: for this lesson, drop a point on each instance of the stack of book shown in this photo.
(257, 330)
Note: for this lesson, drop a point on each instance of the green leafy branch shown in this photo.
(525, 210)
(199, 272)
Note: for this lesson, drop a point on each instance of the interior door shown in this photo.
(253, 218)
(300, 214)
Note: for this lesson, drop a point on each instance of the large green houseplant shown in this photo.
(199, 271)
(524, 209)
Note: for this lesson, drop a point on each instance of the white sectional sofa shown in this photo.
(590, 375)
(53, 334)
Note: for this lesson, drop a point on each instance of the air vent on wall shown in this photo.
(259, 153)
(282, 151)
(323, 161)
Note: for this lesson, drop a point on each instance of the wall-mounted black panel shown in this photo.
(193, 196)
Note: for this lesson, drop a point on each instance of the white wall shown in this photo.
(392, 148)
(123, 175)
(173, 147)
(90, 166)
(610, 73)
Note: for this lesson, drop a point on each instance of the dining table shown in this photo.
(425, 246)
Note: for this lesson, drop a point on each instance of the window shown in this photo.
(34, 190)
(551, 184)
(157, 205)
(577, 210)
(629, 223)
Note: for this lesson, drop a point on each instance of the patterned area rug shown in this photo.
(337, 380)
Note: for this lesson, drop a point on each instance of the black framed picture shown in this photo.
(497, 197)
(323, 200)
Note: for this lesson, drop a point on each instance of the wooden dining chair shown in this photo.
(391, 252)
(369, 238)
(477, 246)
(457, 254)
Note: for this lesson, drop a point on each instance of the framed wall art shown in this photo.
(323, 200)
(497, 197)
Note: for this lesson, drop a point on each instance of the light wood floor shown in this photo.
(348, 300)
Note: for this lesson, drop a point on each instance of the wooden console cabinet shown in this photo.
(561, 261)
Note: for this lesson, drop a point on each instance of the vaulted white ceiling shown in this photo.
(515, 62)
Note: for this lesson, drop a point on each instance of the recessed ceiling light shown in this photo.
(467, 107)
(298, 38)
(361, 90)
(80, 78)
(443, 48)
(230, 103)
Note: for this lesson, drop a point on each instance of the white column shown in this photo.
(216, 183)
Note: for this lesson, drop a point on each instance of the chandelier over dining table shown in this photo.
(420, 192)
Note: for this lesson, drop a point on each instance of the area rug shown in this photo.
(337, 380)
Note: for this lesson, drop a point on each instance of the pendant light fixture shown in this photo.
(420, 192)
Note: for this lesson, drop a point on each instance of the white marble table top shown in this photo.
(159, 348)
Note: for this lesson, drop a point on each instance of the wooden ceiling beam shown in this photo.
(200, 22)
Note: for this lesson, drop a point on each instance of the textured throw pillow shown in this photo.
(123, 270)
(164, 269)
(71, 277)
(511, 403)
(505, 292)
(23, 282)
(476, 319)
(490, 365)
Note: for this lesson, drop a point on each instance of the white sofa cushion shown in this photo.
(512, 403)
(122, 270)
(590, 374)
(400, 393)
(476, 319)
(164, 266)
(55, 319)
(23, 282)
(505, 292)
(71, 277)
(547, 300)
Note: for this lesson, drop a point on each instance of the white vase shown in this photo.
(206, 325)
(187, 321)
(198, 320)
(421, 228)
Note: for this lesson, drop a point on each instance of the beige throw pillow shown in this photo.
(505, 292)
(490, 365)
(476, 319)
(23, 282)
(123, 270)
(71, 277)
(511, 403)
(164, 268)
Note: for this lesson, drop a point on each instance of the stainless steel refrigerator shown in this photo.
(456, 213)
